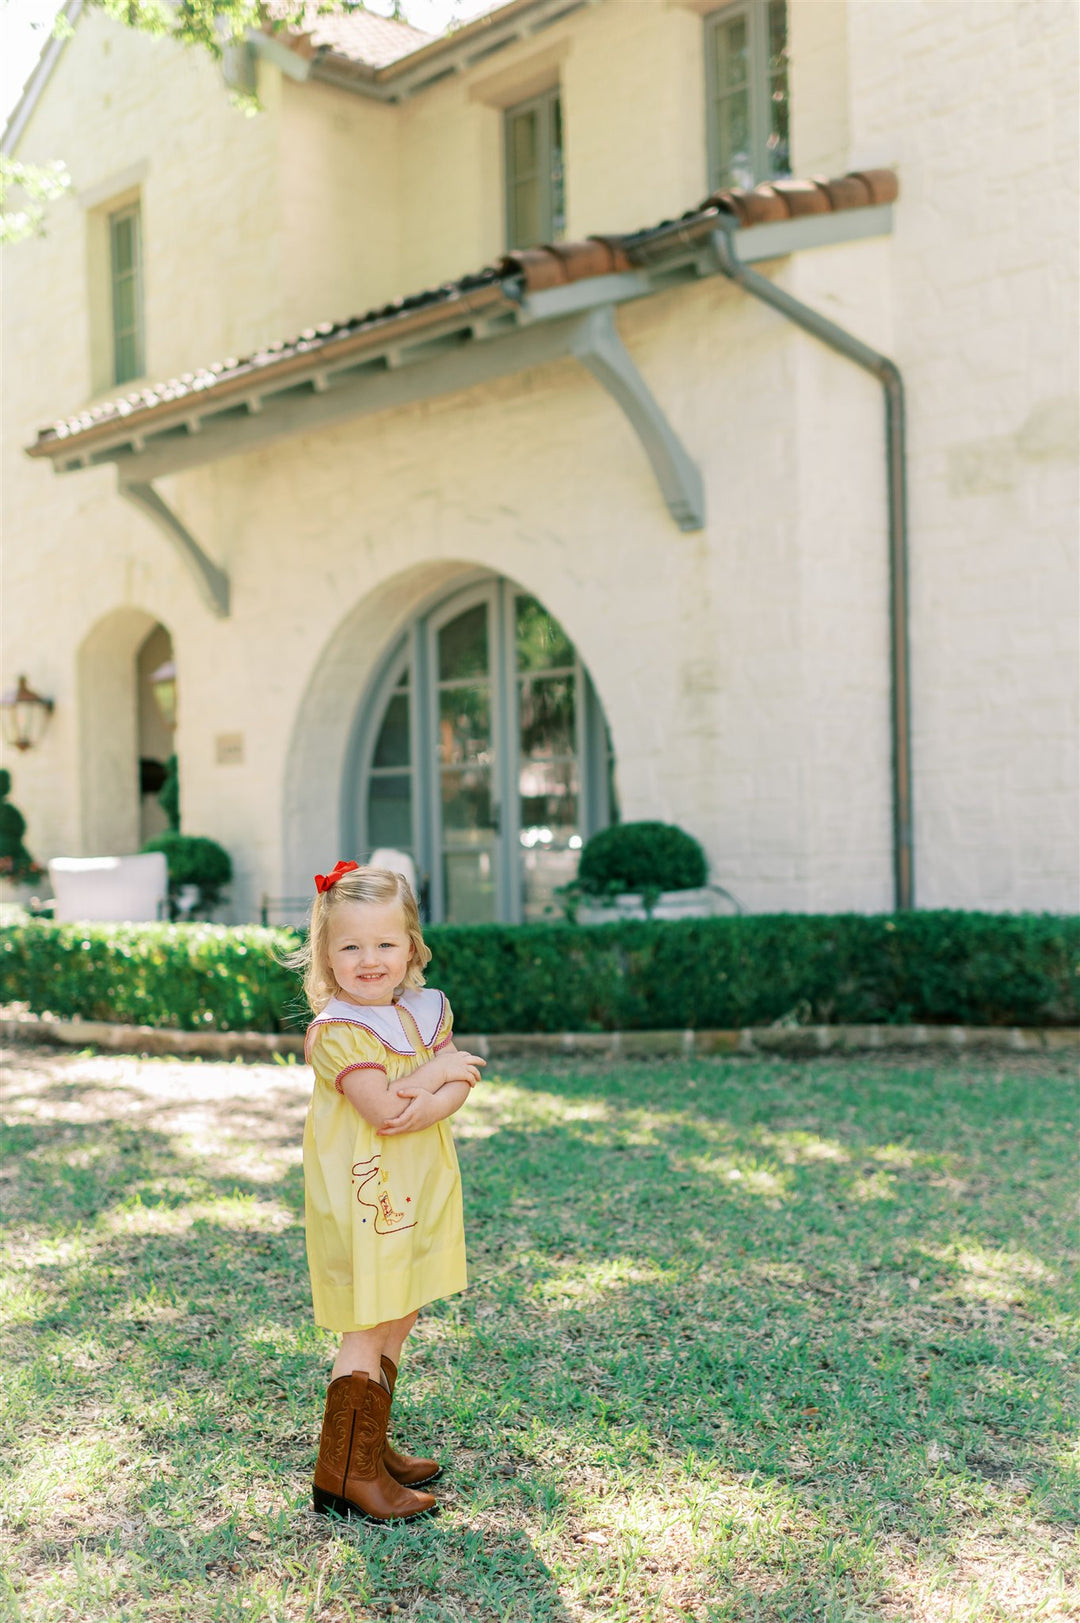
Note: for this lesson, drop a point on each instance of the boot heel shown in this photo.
(327, 1504)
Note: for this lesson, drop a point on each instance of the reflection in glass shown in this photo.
(392, 745)
(558, 173)
(779, 141)
(540, 641)
(543, 870)
(546, 711)
(465, 724)
(469, 886)
(732, 47)
(389, 818)
(463, 645)
(466, 804)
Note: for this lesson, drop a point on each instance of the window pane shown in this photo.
(547, 716)
(558, 171)
(526, 223)
(469, 885)
(124, 304)
(465, 725)
(543, 871)
(732, 54)
(779, 140)
(548, 820)
(778, 36)
(392, 748)
(123, 244)
(389, 818)
(733, 140)
(524, 143)
(467, 805)
(540, 640)
(126, 358)
(463, 645)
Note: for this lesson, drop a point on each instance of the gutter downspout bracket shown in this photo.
(888, 375)
(598, 347)
(211, 580)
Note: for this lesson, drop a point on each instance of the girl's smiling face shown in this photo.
(368, 950)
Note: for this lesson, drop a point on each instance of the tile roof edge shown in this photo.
(533, 270)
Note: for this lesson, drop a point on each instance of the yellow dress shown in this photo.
(383, 1215)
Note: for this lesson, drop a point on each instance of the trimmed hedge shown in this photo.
(977, 969)
(192, 976)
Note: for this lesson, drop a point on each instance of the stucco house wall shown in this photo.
(743, 669)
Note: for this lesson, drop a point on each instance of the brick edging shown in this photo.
(759, 1040)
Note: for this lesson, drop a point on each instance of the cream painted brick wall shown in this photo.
(985, 305)
(340, 185)
(744, 669)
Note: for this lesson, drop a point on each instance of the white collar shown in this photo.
(426, 1005)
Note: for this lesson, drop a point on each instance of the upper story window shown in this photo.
(125, 270)
(535, 187)
(746, 56)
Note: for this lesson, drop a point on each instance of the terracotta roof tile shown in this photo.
(359, 36)
(537, 268)
(803, 196)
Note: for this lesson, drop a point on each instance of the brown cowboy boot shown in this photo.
(350, 1477)
(403, 1467)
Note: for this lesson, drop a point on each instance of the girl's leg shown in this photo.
(361, 1350)
(397, 1331)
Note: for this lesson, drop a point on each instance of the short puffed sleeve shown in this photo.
(336, 1048)
(445, 1032)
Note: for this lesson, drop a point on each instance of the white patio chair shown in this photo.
(102, 890)
(397, 862)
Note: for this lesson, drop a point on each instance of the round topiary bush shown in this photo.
(644, 858)
(193, 860)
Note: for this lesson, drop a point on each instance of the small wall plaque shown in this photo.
(229, 749)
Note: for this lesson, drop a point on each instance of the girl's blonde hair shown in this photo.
(377, 885)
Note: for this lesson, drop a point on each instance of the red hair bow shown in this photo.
(323, 881)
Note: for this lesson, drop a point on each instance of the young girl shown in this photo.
(381, 1181)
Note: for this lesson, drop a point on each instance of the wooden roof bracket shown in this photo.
(209, 577)
(597, 345)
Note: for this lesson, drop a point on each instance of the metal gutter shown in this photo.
(888, 375)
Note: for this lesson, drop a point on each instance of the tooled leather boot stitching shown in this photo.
(350, 1477)
(406, 1468)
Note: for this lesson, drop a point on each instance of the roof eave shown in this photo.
(452, 53)
(676, 253)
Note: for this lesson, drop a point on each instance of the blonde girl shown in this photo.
(382, 1189)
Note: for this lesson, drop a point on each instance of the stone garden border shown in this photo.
(793, 1041)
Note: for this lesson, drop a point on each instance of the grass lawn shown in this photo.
(745, 1341)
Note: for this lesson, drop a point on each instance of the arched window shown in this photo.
(483, 753)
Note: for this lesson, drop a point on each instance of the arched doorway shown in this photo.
(482, 751)
(121, 730)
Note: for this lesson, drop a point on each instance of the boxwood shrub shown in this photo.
(941, 968)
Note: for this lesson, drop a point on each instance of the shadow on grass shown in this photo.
(831, 1308)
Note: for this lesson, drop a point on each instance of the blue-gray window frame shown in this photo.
(544, 104)
(415, 651)
(756, 13)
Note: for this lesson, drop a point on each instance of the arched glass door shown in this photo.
(486, 758)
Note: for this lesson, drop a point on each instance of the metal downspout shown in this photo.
(888, 375)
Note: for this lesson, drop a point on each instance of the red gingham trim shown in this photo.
(444, 1044)
(361, 1065)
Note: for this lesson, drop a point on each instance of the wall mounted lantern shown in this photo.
(163, 687)
(26, 715)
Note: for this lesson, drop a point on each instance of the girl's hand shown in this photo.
(420, 1112)
(460, 1067)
